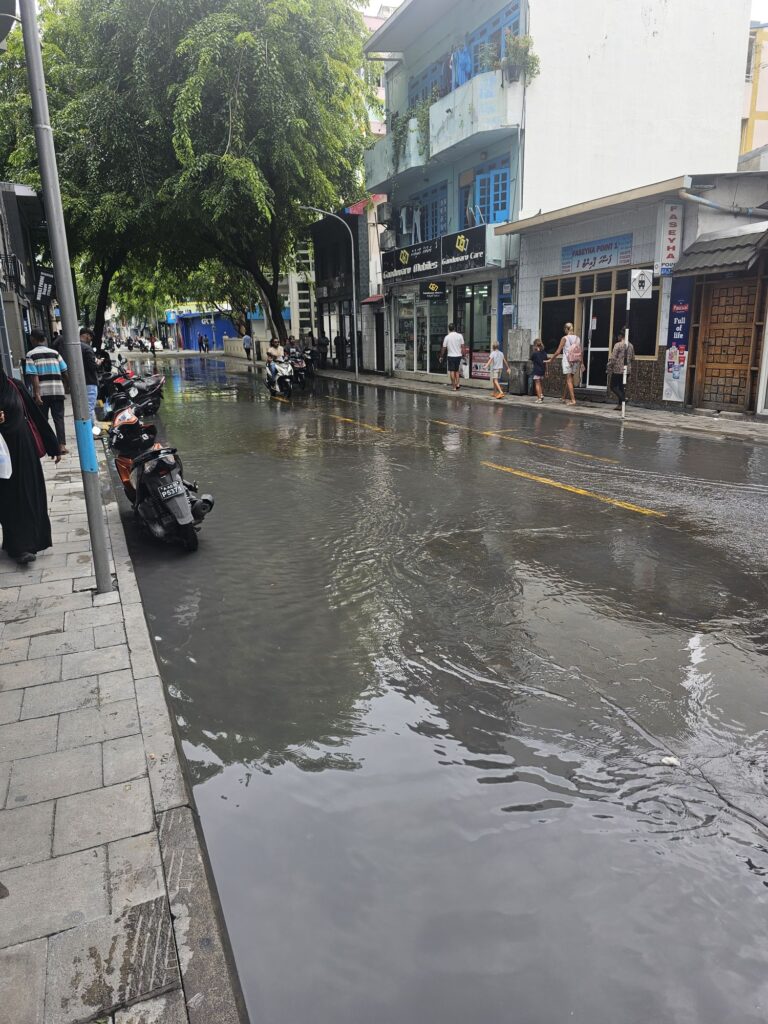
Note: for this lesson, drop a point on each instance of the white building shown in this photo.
(629, 92)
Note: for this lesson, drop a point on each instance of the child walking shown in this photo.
(496, 363)
(539, 360)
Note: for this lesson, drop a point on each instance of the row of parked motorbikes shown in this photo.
(165, 505)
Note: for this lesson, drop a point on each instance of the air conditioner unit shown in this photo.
(385, 213)
(388, 240)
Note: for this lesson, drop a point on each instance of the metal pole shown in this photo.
(327, 213)
(49, 175)
(626, 342)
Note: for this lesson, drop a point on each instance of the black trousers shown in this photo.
(618, 387)
(55, 407)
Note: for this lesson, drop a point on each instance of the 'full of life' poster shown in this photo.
(678, 339)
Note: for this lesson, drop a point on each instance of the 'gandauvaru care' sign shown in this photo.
(464, 250)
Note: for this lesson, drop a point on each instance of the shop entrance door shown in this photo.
(725, 346)
(379, 322)
(596, 341)
(422, 334)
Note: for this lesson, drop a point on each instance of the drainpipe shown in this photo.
(734, 211)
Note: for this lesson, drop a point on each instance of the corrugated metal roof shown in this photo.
(717, 255)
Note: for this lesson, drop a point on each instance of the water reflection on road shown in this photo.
(466, 745)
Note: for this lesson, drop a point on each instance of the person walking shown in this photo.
(23, 500)
(247, 345)
(453, 350)
(496, 364)
(539, 360)
(323, 344)
(91, 371)
(201, 342)
(571, 351)
(45, 368)
(622, 354)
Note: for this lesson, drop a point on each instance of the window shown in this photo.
(750, 58)
(486, 201)
(434, 211)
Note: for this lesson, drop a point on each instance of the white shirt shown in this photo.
(497, 360)
(454, 343)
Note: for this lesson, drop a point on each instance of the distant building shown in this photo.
(754, 123)
(629, 93)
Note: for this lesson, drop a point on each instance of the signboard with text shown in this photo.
(601, 254)
(432, 290)
(399, 266)
(464, 250)
(678, 339)
(669, 238)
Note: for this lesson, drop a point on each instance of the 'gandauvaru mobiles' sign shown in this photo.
(464, 250)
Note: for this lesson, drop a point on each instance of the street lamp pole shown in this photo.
(49, 175)
(327, 213)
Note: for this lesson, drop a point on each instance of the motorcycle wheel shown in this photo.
(286, 387)
(189, 538)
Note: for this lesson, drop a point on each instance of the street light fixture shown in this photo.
(327, 213)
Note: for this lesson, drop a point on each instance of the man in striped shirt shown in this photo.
(44, 367)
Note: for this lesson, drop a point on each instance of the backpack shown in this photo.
(574, 354)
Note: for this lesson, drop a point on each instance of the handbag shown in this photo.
(5, 460)
(36, 438)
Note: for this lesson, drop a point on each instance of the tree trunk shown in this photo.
(273, 309)
(102, 302)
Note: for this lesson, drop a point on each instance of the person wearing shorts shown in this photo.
(453, 349)
(570, 350)
(496, 364)
(539, 360)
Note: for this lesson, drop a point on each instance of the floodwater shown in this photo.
(467, 745)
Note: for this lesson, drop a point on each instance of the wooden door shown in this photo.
(725, 345)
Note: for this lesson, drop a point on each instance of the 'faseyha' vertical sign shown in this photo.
(669, 239)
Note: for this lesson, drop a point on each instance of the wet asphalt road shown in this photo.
(468, 745)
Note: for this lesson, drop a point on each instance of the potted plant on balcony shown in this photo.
(519, 60)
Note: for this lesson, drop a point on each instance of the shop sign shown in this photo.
(170, 316)
(669, 238)
(477, 370)
(602, 254)
(464, 250)
(432, 290)
(678, 339)
(44, 291)
(411, 263)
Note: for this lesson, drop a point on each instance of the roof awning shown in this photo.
(733, 251)
(371, 299)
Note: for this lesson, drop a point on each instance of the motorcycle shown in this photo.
(152, 476)
(311, 359)
(281, 385)
(299, 365)
(145, 392)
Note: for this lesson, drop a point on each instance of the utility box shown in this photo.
(388, 240)
(518, 353)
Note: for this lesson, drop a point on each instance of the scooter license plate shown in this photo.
(171, 490)
(133, 392)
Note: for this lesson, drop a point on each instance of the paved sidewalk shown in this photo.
(107, 911)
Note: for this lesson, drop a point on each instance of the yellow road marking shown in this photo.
(359, 423)
(522, 440)
(576, 490)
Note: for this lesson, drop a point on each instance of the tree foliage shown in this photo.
(190, 132)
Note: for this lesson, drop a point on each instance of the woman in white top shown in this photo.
(570, 348)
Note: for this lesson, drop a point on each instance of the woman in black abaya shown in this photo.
(23, 501)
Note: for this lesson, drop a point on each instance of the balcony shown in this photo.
(478, 113)
(380, 163)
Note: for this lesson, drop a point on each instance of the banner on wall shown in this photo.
(601, 254)
(399, 266)
(678, 339)
(669, 238)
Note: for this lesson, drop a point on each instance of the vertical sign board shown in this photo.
(669, 238)
(678, 339)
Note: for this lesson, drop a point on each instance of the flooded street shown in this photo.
(468, 742)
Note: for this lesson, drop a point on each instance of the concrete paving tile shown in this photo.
(100, 966)
(10, 705)
(55, 697)
(22, 982)
(51, 622)
(71, 642)
(20, 578)
(84, 583)
(98, 616)
(49, 776)
(8, 595)
(109, 636)
(116, 686)
(26, 608)
(52, 895)
(25, 739)
(14, 650)
(30, 673)
(55, 588)
(143, 664)
(94, 725)
(101, 816)
(99, 600)
(124, 759)
(25, 835)
(5, 775)
(166, 1009)
(107, 659)
(210, 982)
(135, 871)
(63, 572)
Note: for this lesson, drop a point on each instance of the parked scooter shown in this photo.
(311, 357)
(281, 384)
(145, 392)
(152, 476)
